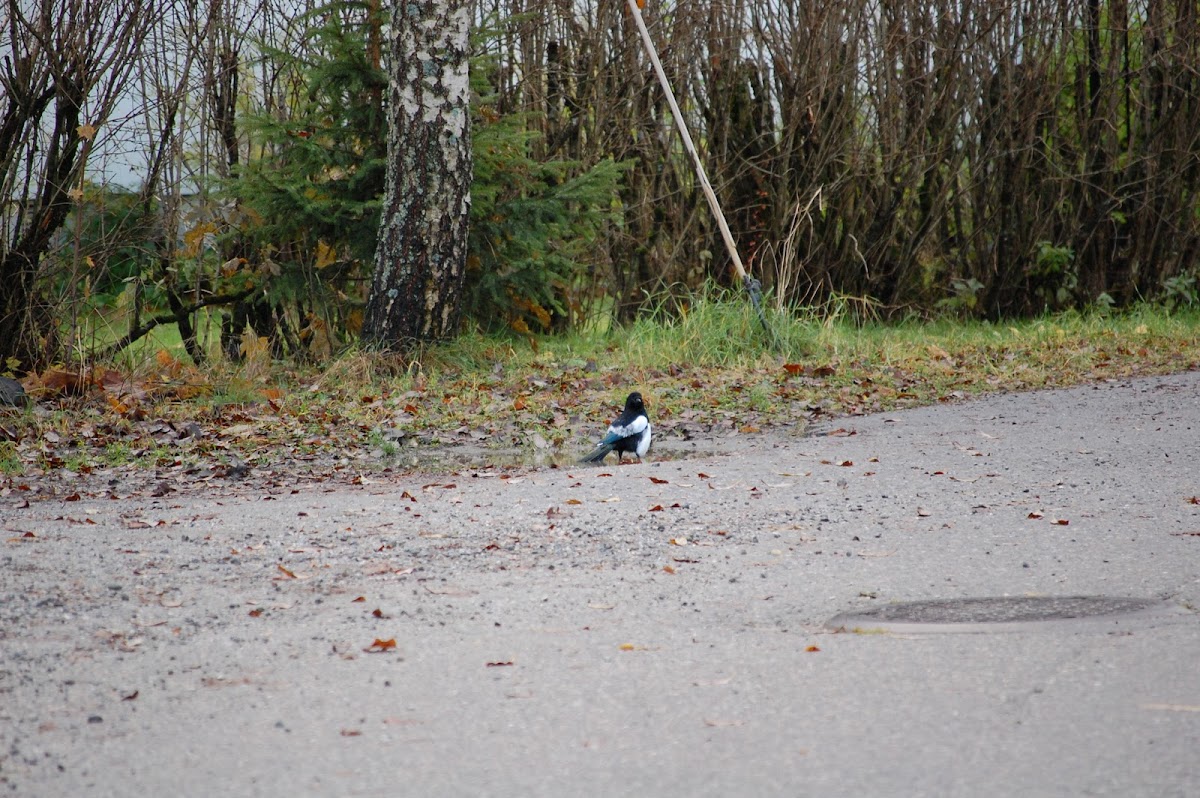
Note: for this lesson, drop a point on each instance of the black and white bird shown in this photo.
(629, 433)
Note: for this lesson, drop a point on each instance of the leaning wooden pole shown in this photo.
(752, 286)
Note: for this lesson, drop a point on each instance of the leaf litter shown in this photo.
(167, 428)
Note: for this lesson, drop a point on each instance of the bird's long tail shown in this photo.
(598, 454)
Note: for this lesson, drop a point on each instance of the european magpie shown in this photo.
(629, 433)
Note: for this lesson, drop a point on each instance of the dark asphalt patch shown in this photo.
(1007, 613)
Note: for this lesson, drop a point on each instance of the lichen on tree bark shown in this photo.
(420, 260)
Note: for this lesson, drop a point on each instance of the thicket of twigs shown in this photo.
(992, 158)
(1005, 156)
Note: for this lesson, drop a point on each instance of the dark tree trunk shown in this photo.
(421, 256)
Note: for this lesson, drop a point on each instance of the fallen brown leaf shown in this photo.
(380, 646)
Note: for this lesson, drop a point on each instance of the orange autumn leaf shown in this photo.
(379, 646)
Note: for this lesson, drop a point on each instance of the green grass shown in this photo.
(10, 458)
(108, 325)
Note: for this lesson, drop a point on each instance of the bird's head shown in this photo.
(634, 403)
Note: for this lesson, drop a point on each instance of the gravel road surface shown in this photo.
(655, 629)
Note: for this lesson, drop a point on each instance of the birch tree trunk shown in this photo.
(420, 260)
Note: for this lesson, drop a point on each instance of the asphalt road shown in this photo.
(644, 630)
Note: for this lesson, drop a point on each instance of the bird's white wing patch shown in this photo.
(634, 427)
(643, 444)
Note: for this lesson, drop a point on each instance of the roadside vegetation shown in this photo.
(707, 372)
(936, 204)
(990, 163)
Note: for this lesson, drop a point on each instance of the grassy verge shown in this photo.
(706, 371)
